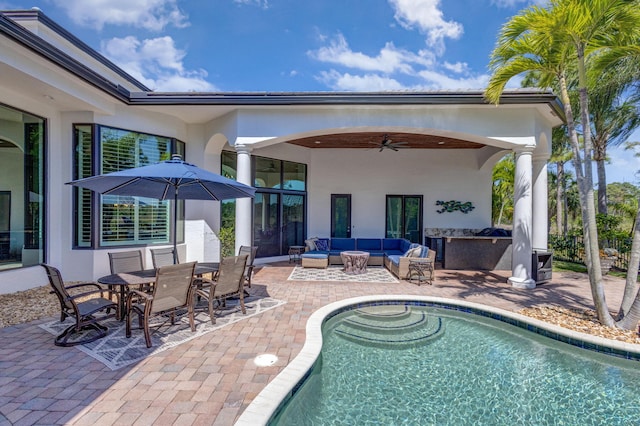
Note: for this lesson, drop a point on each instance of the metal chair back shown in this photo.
(162, 257)
(126, 261)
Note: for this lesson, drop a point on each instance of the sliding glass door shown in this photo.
(404, 217)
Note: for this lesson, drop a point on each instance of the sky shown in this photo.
(300, 45)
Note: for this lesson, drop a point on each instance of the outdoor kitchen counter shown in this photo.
(477, 253)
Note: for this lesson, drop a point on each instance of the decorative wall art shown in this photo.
(452, 206)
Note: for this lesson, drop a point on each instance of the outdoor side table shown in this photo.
(420, 269)
(355, 262)
(295, 252)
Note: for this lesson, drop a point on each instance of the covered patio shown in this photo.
(212, 379)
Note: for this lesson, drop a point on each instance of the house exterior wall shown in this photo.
(31, 83)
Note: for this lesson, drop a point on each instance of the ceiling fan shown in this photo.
(389, 144)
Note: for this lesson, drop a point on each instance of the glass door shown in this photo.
(404, 217)
(292, 221)
(265, 224)
(340, 215)
(278, 222)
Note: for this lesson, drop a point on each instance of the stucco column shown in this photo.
(243, 205)
(540, 203)
(522, 221)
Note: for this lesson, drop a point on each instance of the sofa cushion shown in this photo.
(369, 244)
(343, 244)
(376, 253)
(392, 244)
(322, 244)
(395, 259)
(393, 252)
(315, 255)
(405, 245)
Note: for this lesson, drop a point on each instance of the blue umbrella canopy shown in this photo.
(173, 179)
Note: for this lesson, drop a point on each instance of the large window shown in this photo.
(22, 195)
(279, 207)
(110, 220)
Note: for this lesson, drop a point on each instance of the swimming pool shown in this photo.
(437, 365)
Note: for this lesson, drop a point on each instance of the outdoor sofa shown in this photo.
(393, 253)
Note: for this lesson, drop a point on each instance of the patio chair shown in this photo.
(172, 291)
(250, 251)
(163, 257)
(83, 307)
(125, 261)
(229, 283)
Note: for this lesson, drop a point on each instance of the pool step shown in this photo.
(390, 326)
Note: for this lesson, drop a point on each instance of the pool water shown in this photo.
(415, 365)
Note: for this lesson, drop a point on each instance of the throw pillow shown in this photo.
(322, 245)
(311, 243)
(413, 251)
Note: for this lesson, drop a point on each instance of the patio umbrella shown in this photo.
(172, 179)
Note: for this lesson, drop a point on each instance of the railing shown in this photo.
(571, 249)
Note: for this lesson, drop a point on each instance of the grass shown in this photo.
(564, 266)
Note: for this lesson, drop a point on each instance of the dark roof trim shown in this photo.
(513, 97)
(26, 38)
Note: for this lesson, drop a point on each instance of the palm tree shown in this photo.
(613, 121)
(560, 155)
(553, 41)
(503, 175)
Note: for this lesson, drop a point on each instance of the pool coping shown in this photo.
(268, 401)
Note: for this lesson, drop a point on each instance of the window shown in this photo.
(22, 228)
(121, 220)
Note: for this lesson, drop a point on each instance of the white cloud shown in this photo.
(518, 3)
(157, 63)
(390, 59)
(438, 80)
(358, 83)
(428, 18)
(458, 67)
(152, 15)
(623, 165)
(260, 3)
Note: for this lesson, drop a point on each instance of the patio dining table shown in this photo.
(147, 276)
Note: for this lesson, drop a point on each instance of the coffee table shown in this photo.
(355, 262)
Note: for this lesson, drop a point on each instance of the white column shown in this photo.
(540, 203)
(243, 205)
(522, 222)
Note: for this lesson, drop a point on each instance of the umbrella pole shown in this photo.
(175, 227)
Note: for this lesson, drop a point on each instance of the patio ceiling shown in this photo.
(373, 140)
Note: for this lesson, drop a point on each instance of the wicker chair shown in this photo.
(172, 290)
(83, 307)
(229, 283)
(250, 252)
(163, 257)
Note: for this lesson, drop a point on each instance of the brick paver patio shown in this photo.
(211, 379)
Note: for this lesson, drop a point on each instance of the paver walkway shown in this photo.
(210, 380)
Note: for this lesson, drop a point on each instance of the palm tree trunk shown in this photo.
(585, 189)
(629, 313)
(560, 198)
(602, 180)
